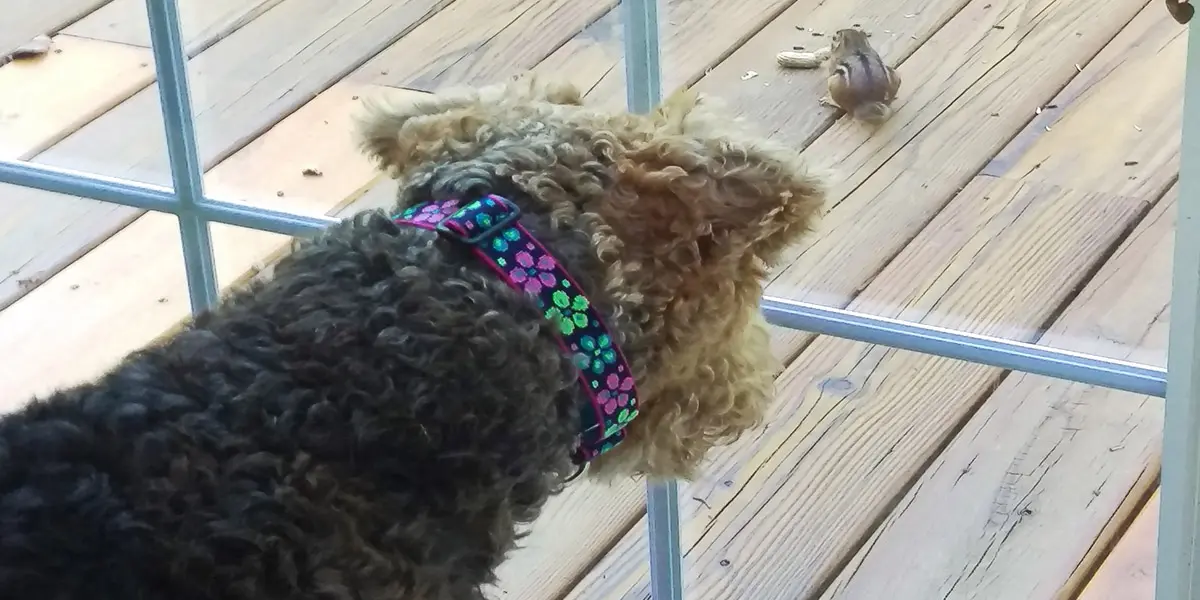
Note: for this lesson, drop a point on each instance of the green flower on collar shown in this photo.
(568, 312)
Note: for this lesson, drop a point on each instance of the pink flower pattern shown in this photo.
(616, 392)
(530, 267)
(434, 212)
(531, 275)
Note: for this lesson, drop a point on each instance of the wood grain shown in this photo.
(873, 416)
(25, 20)
(867, 418)
(595, 516)
(241, 86)
(203, 22)
(100, 57)
(1128, 573)
(1047, 472)
(474, 42)
(784, 101)
(130, 307)
(964, 38)
(583, 59)
(37, 110)
(972, 87)
(723, 25)
(779, 101)
(1037, 482)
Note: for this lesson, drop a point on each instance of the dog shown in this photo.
(379, 417)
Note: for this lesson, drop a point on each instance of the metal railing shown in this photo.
(1178, 577)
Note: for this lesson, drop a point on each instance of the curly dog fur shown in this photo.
(377, 419)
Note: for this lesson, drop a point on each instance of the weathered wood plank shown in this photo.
(203, 23)
(37, 109)
(242, 85)
(24, 20)
(1128, 573)
(722, 25)
(1056, 430)
(946, 133)
(997, 260)
(100, 57)
(965, 47)
(130, 307)
(1078, 501)
(868, 418)
(1033, 487)
(528, 575)
(479, 41)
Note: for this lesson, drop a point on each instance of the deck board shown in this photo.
(1047, 472)
(864, 420)
(1037, 481)
(477, 42)
(203, 22)
(969, 209)
(24, 21)
(106, 57)
(988, 292)
(722, 24)
(875, 216)
(37, 111)
(1128, 573)
(973, 87)
(241, 86)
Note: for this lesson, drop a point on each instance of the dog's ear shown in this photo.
(396, 136)
(399, 135)
(702, 207)
(729, 196)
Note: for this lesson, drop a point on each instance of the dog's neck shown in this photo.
(491, 227)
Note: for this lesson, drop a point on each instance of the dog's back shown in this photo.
(342, 431)
(65, 532)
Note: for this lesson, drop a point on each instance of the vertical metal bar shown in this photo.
(666, 553)
(643, 90)
(187, 175)
(1177, 576)
(643, 66)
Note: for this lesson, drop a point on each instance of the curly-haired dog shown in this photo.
(376, 420)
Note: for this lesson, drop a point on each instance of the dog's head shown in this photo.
(684, 209)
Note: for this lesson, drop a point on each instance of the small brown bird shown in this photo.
(859, 82)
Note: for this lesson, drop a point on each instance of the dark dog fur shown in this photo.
(376, 420)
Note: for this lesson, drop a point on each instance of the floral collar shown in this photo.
(491, 227)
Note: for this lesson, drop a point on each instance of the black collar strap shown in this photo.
(491, 227)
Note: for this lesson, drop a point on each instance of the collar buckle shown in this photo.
(471, 225)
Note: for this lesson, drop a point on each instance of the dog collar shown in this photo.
(490, 226)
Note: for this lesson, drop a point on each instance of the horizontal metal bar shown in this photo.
(253, 217)
(88, 185)
(148, 196)
(996, 352)
(1007, 354)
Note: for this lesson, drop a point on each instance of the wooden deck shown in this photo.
(1025, 188)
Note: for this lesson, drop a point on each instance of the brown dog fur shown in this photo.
(380, 417)
(697, 211)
